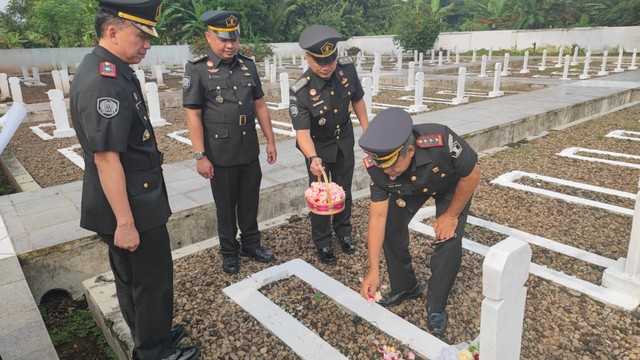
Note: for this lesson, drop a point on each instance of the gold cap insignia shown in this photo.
(327, 48)
(231, 21)
(158, 11)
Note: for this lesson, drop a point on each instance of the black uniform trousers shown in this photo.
(445, 259)
(236, 192)
(144, 286)
(340, 172)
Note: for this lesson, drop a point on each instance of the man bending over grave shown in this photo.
(409, 164)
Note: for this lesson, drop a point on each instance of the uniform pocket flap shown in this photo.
(247, 82)
(220, 133)
(217, 85)
(140, 182)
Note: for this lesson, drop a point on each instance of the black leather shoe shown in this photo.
(259, 254)
(327, 255)
(437, 322)
(390, 299)
(230, 264)
(185, 353)
(177, 333)
(346, 242)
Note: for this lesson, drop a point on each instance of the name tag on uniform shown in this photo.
(393, 186)
(318, 103)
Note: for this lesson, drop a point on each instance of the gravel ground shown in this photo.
(559, 323)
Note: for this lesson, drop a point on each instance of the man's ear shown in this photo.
(411, 151)
(112, 33)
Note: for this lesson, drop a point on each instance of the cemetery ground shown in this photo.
(558, 324)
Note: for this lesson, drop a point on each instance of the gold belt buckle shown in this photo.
(243, 120)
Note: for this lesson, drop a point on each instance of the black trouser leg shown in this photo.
(446, 258)
(225, 188)
(249, 196)
(144, 286)
(320, 224)
(396, 241)
(342, 174)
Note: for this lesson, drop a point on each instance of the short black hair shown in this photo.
(405, 147)
(103, 20)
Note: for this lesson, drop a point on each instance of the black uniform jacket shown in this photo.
(109, 114)
(440, 160)
(225, 93)
(322, 106)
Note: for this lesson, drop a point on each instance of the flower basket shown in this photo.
(324, 197)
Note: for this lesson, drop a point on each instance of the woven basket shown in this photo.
(328, 208)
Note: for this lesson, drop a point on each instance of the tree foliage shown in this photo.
(419, 27)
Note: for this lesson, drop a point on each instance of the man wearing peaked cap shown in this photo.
(319, 110)
(222, 96)
(124, 198)
(408, 164)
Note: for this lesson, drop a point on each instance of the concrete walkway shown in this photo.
(43, 225)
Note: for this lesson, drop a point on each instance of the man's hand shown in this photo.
(316, 166)
(126, 237)
(369, 284)
(445, 227)
(272, 154)
(205, 168)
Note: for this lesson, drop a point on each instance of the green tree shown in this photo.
(530, 14)
(417, 27)
(59, 22)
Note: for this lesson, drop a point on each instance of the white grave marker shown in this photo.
(565, 72)
(64, 77)
(603, 68)
(433, 56)
(496, 82)
(57, 80)
(462, 76)
(543, 65)
(439, 58)
(457, 58)
(619, 68)
(559, 63)
(284, 89)
(473, 56)
(585, 72)
(273, 73)
(490, 52)
(4, 86)
(16, 91)
(267, 69)
(367, 86)
(575, 56)
(415, 56)
(420, 60)
(376, 79)
(633, 60)
(419, 94)
(293, 59)
(59, 109)
(25, 73)
(158, 73)
(525, 65)
(154, 105)
(411, 76)
(483, 67)
(505, 69)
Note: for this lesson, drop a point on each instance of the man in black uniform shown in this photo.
(319, 109)
(124, 198)
(408, 165)
(223, 96)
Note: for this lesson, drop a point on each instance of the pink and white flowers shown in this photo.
(317, 192)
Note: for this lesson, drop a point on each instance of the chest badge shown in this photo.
(401, 203)
(213, 71)
(435, 170)
(146, 135)
(312, 92)
(244, 68)
(322, 121)
(219, 99)
(315, 98)
(247, 74)
(210, 63)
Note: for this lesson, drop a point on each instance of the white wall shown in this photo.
(600, 39)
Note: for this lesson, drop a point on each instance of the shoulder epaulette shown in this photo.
(368, 162)
(345, 60)
(198, 58)
(429, 141)
(108, 69)
(302, 82)
(245, 57)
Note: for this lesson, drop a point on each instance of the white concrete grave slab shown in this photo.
(573, 151)
(10, 123)
(304, 342)
(509, 180)
(621, 134)
(71, 154)
(597, 292)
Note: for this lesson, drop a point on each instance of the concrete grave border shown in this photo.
(571, 153)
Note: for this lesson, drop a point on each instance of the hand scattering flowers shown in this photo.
(317, 192)
(391, 353)
(375, 297)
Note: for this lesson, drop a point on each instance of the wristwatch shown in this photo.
(198, 155)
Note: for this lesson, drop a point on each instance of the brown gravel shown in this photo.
(559, 323)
